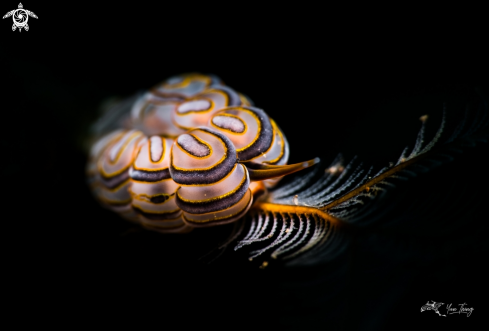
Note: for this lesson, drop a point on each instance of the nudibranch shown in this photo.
(190, 152)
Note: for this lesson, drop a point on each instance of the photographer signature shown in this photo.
(461, 310)
(436, 305)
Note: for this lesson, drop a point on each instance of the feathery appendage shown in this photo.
(307, 220)
(291, 233)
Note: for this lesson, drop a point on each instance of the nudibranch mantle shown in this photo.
(191, 152)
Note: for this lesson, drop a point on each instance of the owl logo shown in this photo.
(20, 17)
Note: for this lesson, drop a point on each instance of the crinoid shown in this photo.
(304, 220)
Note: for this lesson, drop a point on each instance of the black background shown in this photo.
(333, 82)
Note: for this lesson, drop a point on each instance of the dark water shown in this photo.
(67, 261)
